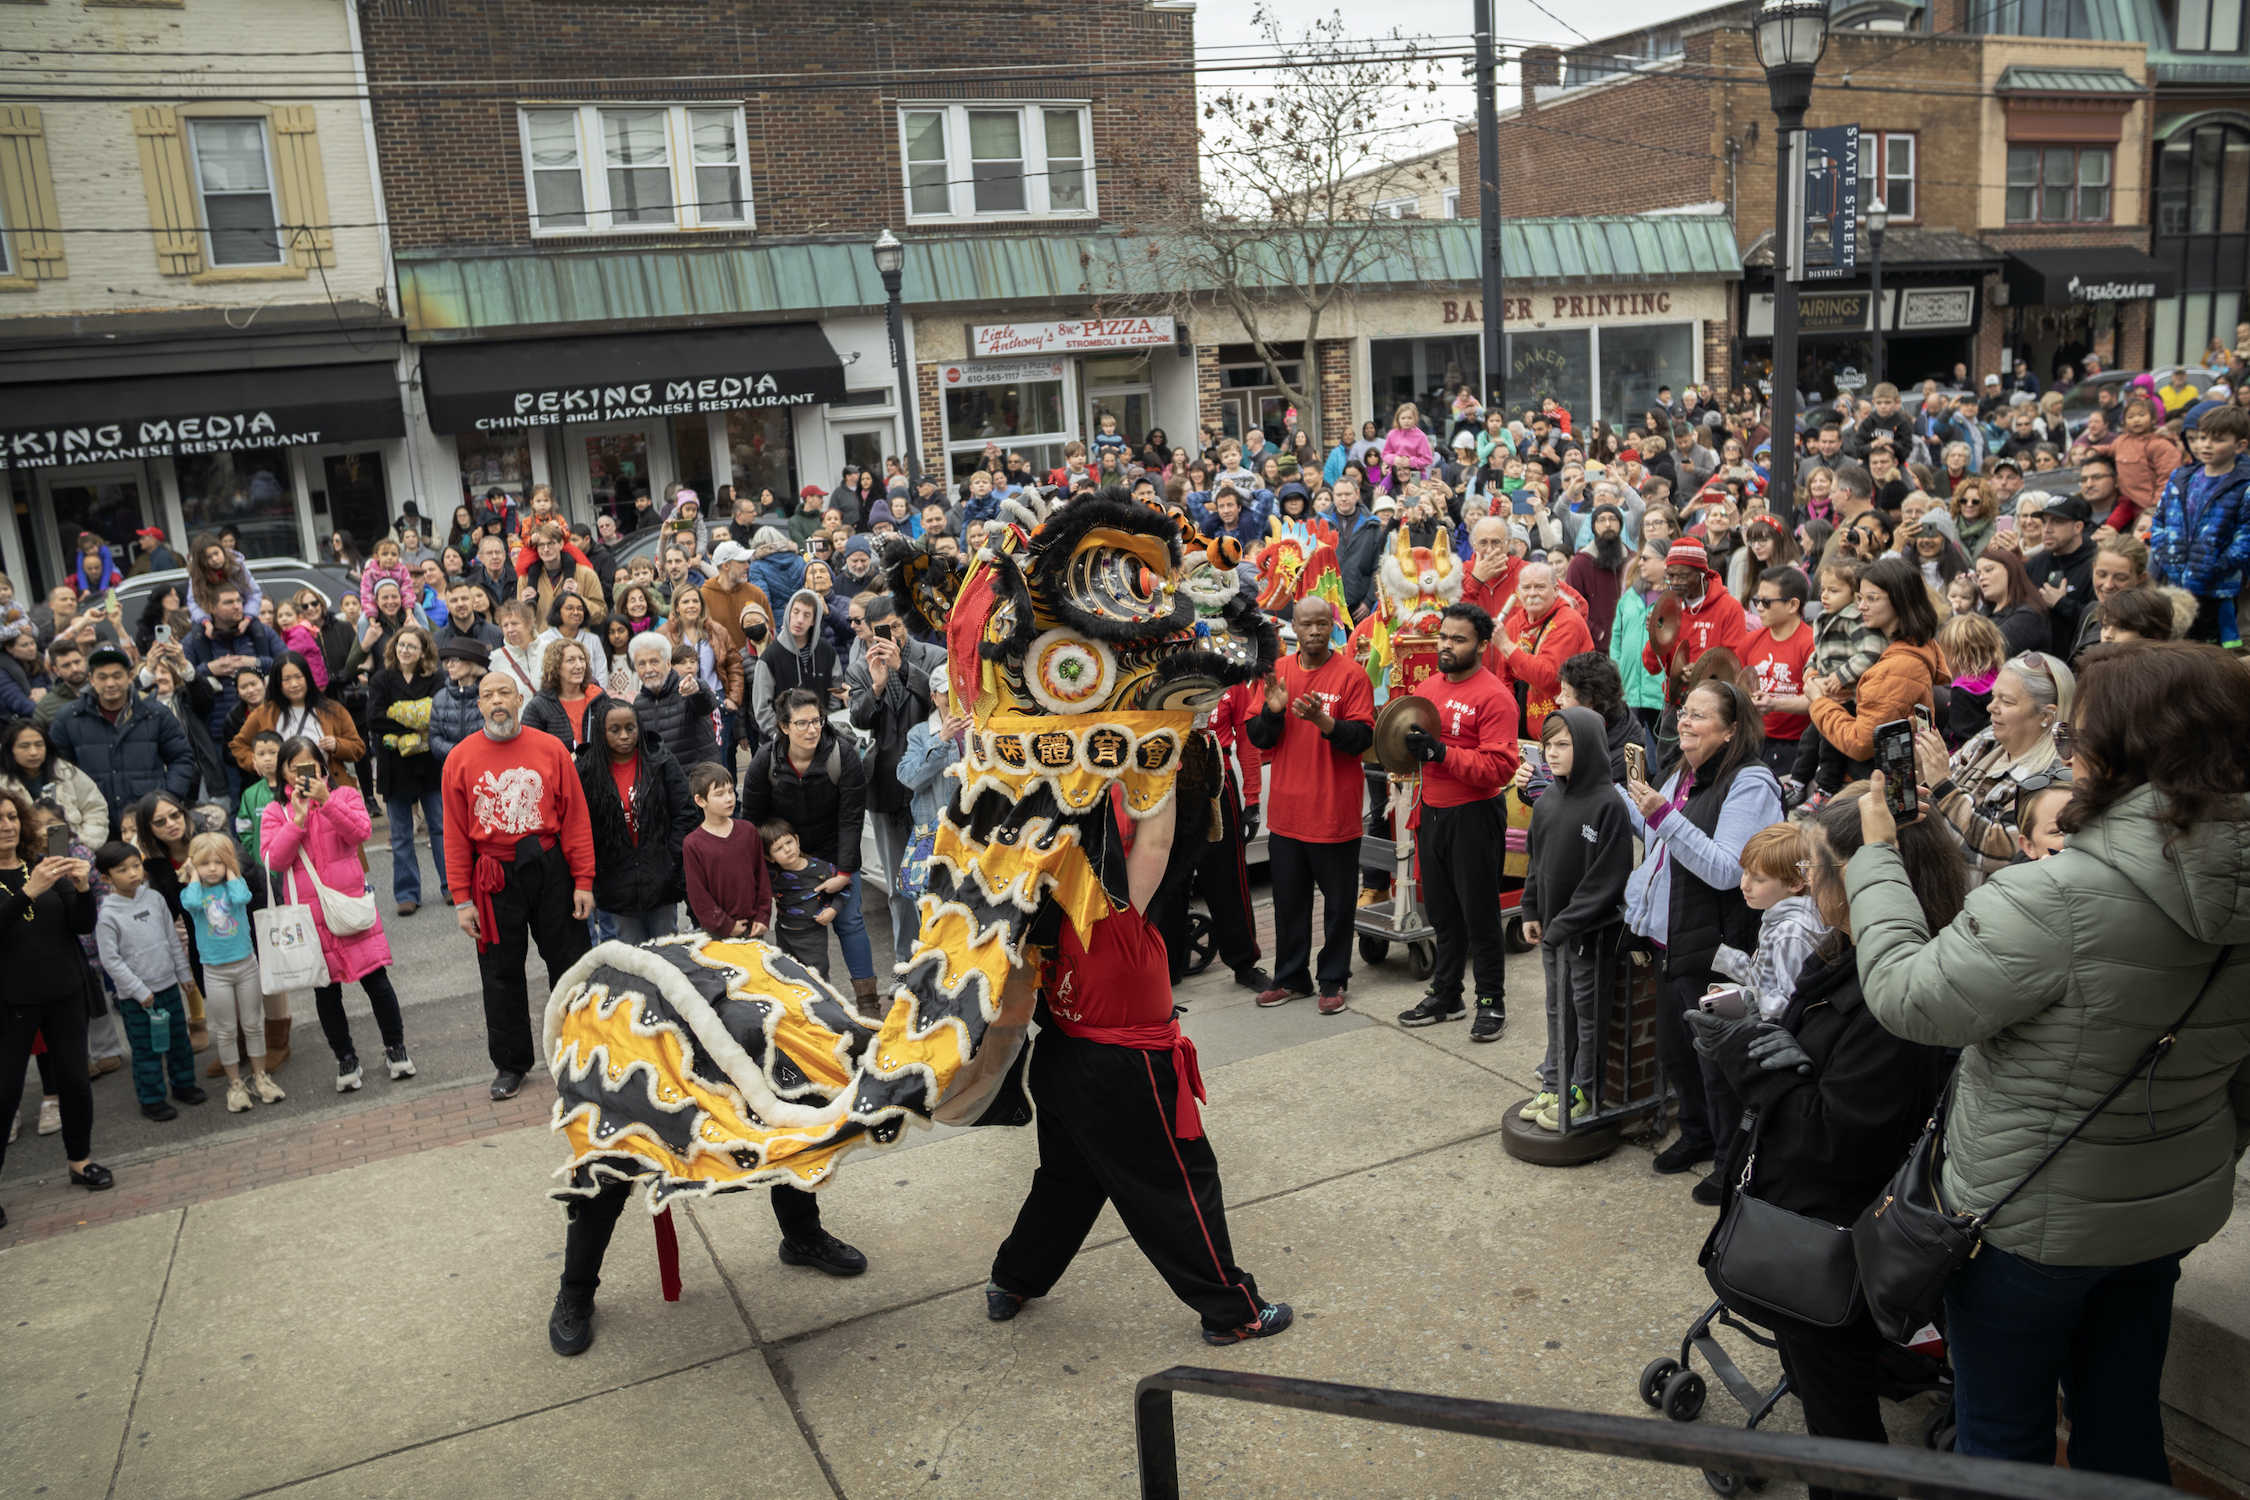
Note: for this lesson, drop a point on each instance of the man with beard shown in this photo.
(1598, 574)
(520, 843)
(1463, 821)
(1538, 634)
(1709, 615)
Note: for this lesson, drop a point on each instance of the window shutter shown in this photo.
(171, 193)
(304, 187)
(27, 194)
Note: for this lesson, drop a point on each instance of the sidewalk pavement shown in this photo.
(362, 1311)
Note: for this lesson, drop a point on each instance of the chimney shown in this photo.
(1540, 67)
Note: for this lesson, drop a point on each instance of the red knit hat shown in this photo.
(1687, 552)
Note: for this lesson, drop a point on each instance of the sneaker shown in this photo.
(1268, 999)
(1253, 978)
(1708, 1192)
(400, 1064)
(1681, 1155)
(269, 1092)
(570, 1327)
(348, 1074)
(1000, 1305)
(1332, 1001)
(1492, 1019)
(1550, 1118)
(505, 1084)
(827, 1252)
(50, 1116)
(160, 1111)
(1539, 1102)
(1270, 1322)
(1430, 1010)
(190, 1095)
(238, 1097)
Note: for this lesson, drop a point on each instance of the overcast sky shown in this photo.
(1223, 32)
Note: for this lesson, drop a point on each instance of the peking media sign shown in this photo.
(1825, 228)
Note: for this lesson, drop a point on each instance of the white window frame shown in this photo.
(2194, 21)
(1450, 204)
(1398, 208)
(960, 177)
(1875, 145)
(202, 202)
(593, 171)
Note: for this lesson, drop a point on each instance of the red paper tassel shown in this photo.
(668, 1256)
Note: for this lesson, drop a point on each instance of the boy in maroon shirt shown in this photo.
(727, 886)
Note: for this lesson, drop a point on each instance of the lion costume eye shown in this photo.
(1124, 580)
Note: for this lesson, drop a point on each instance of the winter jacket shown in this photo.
(1902, 677)
(2022, 628)
(778, 575)
(250, 638)
(454, 716)
(334, 719)
(2144, 462)
(1787, 934)
(398, 725)
(1581, 843)
(637, 867)
(16, 683)
(679, 713)
(828, 812)
(922, 770)
(904, 702)
(73, 791)
(1359, 550)
(330, 842)
(2055, 980)
(2207, 557)
(1844, 647)
(1628, 633)
(1827, 1144)
(145, 751)
(546, 712)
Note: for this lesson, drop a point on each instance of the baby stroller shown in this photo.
(1672, 1387)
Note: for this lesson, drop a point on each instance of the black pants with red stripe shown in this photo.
(1105, 1136)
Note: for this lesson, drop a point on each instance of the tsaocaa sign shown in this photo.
(169, 437)
(641, 399)
(989, 340)
(998, 372)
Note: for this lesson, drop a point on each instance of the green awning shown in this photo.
(2066, 81)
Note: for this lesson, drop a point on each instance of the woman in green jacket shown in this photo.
(2056, 981)
(1628, 632)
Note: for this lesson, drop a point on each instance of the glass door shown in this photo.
(1131, 405)
(250, 492)
(111, 502)
(351, 486)
(617, 471)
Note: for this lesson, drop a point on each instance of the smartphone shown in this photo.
(1636, 763)
(2063, 739)
(2006, 523)
(58, 841)
(1894, 757)
(1530, 752)
(1522, 507)
(1726, 1001)
(1923, 717)
(164, 635)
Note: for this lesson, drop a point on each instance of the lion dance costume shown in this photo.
(1084, 642)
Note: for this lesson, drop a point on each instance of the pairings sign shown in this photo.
(999, 339)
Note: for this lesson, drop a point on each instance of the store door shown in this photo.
(350, 486)
(1131, 405)
(113, 501)
(612, 467)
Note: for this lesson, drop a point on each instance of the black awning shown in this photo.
(2061, 278)
(164, 416)
(619, 377)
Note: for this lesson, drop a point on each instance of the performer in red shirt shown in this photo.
(1116, 1088)
(1781, 654)
(1710, 616)
(1539, 632)
(520, 858)
(1318, 718)
(1463, 824)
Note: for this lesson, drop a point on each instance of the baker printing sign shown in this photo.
(646, 398)
(169, 437)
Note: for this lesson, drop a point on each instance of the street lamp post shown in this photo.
(1878, 219)
(1791, 35)
(1495, 346)
(890, 264)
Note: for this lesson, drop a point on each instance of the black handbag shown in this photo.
(1767, 1258)
(1909, 1244)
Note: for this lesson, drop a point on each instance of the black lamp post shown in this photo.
(890, 264)
(1791, 36)
(1878, 219)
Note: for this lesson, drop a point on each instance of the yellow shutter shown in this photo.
(171, 194)
(27, 196)
(304, 187)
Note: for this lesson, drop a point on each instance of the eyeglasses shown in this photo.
(2032, 662)
(1805, 867)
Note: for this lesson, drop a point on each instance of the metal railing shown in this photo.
(1856, 1468)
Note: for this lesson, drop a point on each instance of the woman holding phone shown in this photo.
(1974, 791)
(45, 908)
(322, 827)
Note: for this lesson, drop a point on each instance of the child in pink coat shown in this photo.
(322, 827)
(1407, 444)
(299, 637)
(389, 563)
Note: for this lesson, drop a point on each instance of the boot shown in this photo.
(199, 1029)
(277, 1044)
(863, 993)
(214, 1068)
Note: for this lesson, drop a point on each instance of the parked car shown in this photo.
(276, 576)
(2082, 397)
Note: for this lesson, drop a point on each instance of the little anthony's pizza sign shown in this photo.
(992, 339)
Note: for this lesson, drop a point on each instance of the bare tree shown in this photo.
(1291, 170)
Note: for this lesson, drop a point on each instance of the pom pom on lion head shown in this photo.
(1418, 583)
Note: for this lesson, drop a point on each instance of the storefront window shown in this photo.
(1044, 458)
(1004, 413)
(357, 500)
(691, 456)
(1558, 364)
(763, 454)
(1424, 371)
(249, 490)
(494, 461)
(1636, 360)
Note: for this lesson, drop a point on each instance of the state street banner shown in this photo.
(502, 384)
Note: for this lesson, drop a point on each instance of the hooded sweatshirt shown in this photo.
(791, 661)
(1581, 843)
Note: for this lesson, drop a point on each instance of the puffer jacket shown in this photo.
(454, 717)
(1901, 677)
(2210, 558)
(679, 714)
(1628, 633)
(2056, 979)
(545, 712)
(637, 875)
(146, 750)
(74, 792)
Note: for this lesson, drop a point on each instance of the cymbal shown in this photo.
(1718, 662)
(1398, 716)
